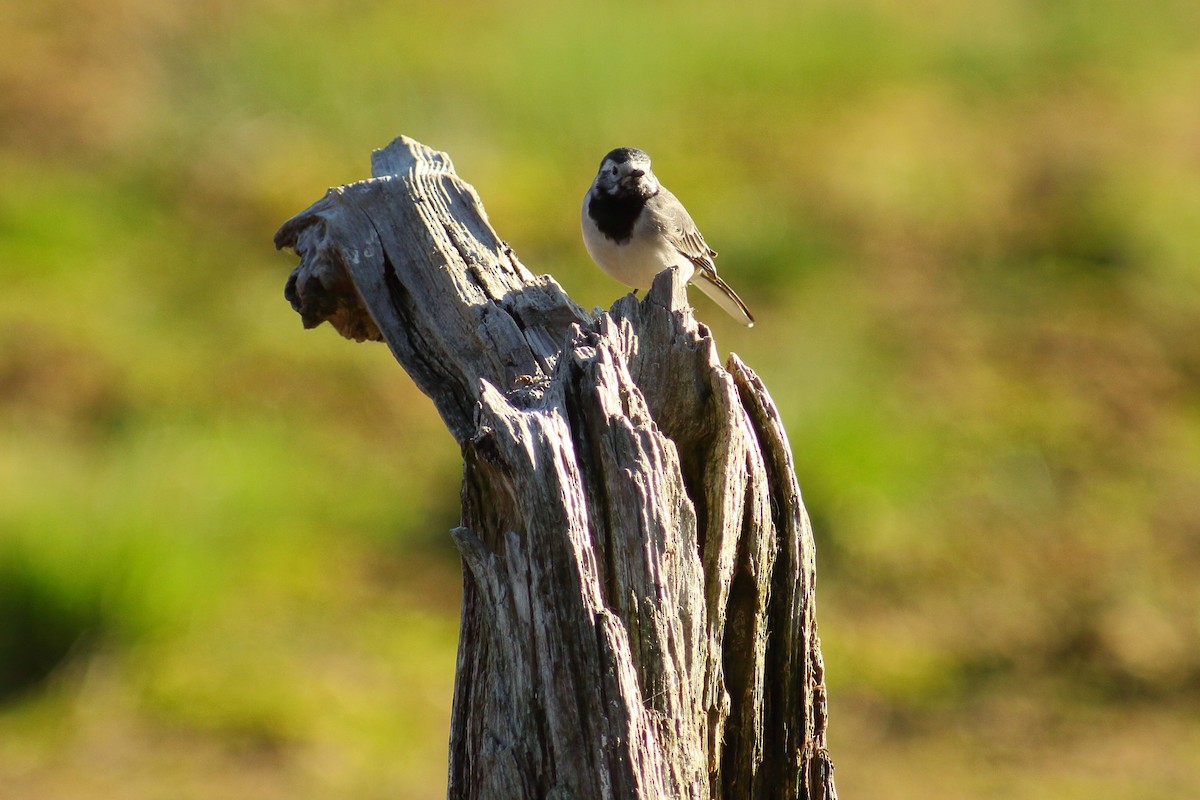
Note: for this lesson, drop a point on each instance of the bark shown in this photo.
(638, 604)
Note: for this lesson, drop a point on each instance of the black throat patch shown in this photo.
(615, 215)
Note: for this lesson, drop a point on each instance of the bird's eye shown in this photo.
(613, 170)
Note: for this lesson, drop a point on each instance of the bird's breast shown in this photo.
(636, 260)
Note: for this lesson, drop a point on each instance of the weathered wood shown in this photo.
(638, 606)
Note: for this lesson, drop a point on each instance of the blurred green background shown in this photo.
(971, 233)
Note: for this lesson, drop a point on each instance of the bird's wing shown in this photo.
(683, 234)
(692, 245)
(687, 239)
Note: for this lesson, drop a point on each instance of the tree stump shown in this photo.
(638, 567)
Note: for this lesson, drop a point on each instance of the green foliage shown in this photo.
(41, 621)
(968, 231)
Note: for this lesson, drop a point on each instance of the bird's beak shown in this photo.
(633, 180)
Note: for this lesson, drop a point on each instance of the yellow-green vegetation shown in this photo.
(970, 232)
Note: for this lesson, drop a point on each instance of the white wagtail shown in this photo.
(634, 228)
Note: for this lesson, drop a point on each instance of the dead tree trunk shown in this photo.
(638, 603)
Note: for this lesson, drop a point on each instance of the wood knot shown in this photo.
(485, 445)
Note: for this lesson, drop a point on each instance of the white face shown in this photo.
(626, 172)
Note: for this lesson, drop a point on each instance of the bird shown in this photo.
(634, 228)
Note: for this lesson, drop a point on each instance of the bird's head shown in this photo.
(626, 172)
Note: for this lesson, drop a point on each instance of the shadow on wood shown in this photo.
(638, 606)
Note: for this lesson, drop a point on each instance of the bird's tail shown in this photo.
(721, 294)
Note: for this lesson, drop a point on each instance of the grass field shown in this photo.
(970, 232)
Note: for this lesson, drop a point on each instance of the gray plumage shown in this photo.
(634, 228)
